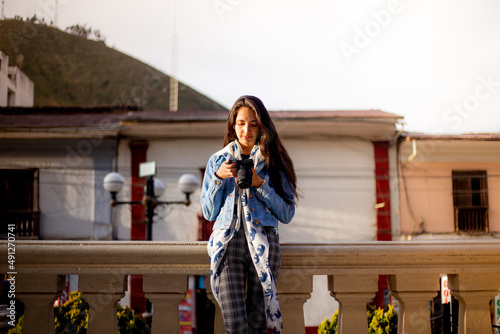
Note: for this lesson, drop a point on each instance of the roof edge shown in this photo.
(464, 136)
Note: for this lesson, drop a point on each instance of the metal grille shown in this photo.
(471, 219)
(470, 201)
(27, 224)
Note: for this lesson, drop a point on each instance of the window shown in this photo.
(11, 98)
(470, 201)
(19, 202)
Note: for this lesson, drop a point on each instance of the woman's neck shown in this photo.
(246, 150)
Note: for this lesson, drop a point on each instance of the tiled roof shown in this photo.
(62, 117)
(465, 136)
(66, 110)
(183, 116)
(41, 117)
(110, 117)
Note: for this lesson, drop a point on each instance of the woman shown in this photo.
(244, 245)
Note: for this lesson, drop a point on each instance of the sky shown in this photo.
(437, 63)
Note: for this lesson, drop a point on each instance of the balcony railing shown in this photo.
(471, 219)
(26, 222)
(412, 268)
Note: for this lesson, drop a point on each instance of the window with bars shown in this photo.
(19, 202)
(470, 201)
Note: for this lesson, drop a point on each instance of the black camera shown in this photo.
(243, 172)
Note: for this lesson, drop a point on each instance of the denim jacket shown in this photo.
(267, 207)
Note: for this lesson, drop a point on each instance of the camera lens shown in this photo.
(244, 176)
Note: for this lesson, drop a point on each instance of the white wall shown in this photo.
(173, 158)
(25, 90)
(4, 60)
(121, 214)
(23, 87)
(337, 181)
(66, 195)
(72, 200)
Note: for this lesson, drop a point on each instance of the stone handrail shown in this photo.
(412, 268)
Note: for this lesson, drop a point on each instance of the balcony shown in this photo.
(412, 268)
(471, 219)
(27, 223)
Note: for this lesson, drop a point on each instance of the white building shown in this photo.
(342, 159)
(16, 88)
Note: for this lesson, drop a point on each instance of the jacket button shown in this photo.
(256, 222)
(250, 196)
(253, 209)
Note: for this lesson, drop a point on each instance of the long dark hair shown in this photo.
(271, 147)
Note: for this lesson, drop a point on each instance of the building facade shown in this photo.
(449, 186)
(16, 88)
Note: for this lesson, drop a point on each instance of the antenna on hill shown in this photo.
(174, 84)
(3, 10)
(56, 13)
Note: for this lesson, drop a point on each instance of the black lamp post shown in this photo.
(113, 183)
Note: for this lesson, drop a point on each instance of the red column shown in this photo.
(138, 154)
(383, 195)
(383, 190)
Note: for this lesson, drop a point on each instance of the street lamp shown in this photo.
(113, 183)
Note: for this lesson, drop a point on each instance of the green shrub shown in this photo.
(379, 321)
(382, 322)
(329, 326)
(19, 327)
(130, 323)
(73, 317)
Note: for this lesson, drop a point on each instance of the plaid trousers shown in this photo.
(237, 276)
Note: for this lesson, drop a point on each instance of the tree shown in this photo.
(84, 32)
(80, 31)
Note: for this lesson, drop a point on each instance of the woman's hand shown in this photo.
(226, 170)
(257, 181)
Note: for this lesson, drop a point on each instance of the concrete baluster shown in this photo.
(294, 289)
(474, 292)
(38, 293)
(352, 292)
(165, 292)
(102, 292)
(414, 291)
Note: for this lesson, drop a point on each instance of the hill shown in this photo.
(73, 71)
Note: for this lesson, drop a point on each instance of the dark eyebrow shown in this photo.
(241, 120)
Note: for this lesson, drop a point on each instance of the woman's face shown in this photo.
(246, 128)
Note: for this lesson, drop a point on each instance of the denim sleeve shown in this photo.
(212, 192)
(281, 209)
